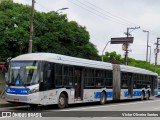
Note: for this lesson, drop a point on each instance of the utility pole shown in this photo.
(31, 28)
(147, 44)
(126, 51)
(156, 51)
(127, 44)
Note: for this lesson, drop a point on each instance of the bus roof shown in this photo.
(136, 70)
(63, 59)
(57, 58)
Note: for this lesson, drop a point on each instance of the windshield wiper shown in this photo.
(10, 83)
(26, 84)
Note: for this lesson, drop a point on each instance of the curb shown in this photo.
(9, 105)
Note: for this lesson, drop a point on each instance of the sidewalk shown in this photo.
(4, 103)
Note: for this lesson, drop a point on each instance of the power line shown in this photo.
(106, 16)
(42, 6)
(125, 22)
(100, 15)
(110, 14)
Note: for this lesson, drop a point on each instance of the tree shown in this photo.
(12, 37)
(113, 57)
(52, 33)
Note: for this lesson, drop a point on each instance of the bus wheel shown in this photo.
(62, 101)
(143, 95)
(103, 98)
(148, 95)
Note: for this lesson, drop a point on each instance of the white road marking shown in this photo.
(104, 117)
(123, 104)
(156, 108)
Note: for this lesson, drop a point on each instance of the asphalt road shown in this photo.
(131, 109)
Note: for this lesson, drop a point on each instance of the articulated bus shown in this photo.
(47, 78)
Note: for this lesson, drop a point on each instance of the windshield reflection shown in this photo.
(23, 73)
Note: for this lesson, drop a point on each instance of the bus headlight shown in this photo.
(33, 90)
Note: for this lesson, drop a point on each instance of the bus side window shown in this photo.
(124, 80)
(99, 78)
(48, 76)
(108, 81)
(58, 75)
(89, 78)
(65, 75)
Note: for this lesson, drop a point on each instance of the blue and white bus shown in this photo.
(47, 78)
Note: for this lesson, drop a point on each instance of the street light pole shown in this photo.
(156, 52)
(61, 9)
(150, 54)
(147, 44)
(104, 49)
(31, 29)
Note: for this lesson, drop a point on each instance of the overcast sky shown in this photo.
(105, 19)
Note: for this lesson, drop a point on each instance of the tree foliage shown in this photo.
(144, 65)
(115, 58)
(52, 33)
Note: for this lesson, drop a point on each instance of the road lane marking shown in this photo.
(123, 104)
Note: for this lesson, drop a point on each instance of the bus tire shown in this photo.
(103, 98)
(62, 101)
(142, 95)
(148, 95)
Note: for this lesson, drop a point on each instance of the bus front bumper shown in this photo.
(25, 99)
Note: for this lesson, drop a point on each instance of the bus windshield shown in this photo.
(23, 73)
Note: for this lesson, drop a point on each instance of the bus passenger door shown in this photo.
(130, 85)
(78, 83)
